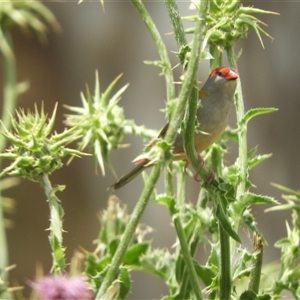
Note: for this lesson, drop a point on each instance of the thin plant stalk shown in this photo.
(189, 270)
(189, 90)
(175, 18)
(217, 57)
(144, 198)
(242, 138)
(10, 89)
(187, 258)
(181, 194)
(161, 48)
(225, 244)
(171, 133)
(9, 104)
(225, 266)
(255, 274)
(129, 232)
(242, 133)
(225, 253)
(56, 228)
(169, 180)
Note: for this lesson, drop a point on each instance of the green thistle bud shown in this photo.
(227, 22)
(33, 150)
(100, 122)
(216, 36)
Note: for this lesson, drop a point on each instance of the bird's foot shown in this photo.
(186, 164)
(211, 172)
(211, 176)
(201, 164)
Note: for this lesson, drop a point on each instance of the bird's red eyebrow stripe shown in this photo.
(229, 73)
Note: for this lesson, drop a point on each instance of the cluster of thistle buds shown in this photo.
(228, 21)
(34, 149)
(99, 124)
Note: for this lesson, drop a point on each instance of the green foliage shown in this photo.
(289, 274)
(257, 111)
(224, 203)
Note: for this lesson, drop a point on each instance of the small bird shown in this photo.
(216, 98)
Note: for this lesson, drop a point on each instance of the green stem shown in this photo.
(56, 229)
(3, 242)
(3, 252)
(189, 274)
(174, 124)
(217, 57)
(9, 104)
(169, 180)
(189, 88)
(225, 244)
(185, 283)
(163, 53)
(129, 232)
(193, 279)
(225, 253)
(10, 89)
(192, 96)
(203, 199)
(242, 132)
(181, 186)
(242, 137)
(225, 266)
(176, 23)
(256, 265)
(144, 198)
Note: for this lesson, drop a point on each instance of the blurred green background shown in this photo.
(117, 42)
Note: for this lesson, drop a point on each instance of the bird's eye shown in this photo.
(220, 74)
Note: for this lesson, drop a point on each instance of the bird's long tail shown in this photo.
(127, 177)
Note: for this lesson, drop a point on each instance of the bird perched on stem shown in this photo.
(216, 98)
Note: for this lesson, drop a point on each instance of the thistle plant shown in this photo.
(29, 17)
(34, 149)
(100, 124)
(35, 153)
(229, 21)
(230, 196)
(289, 269)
